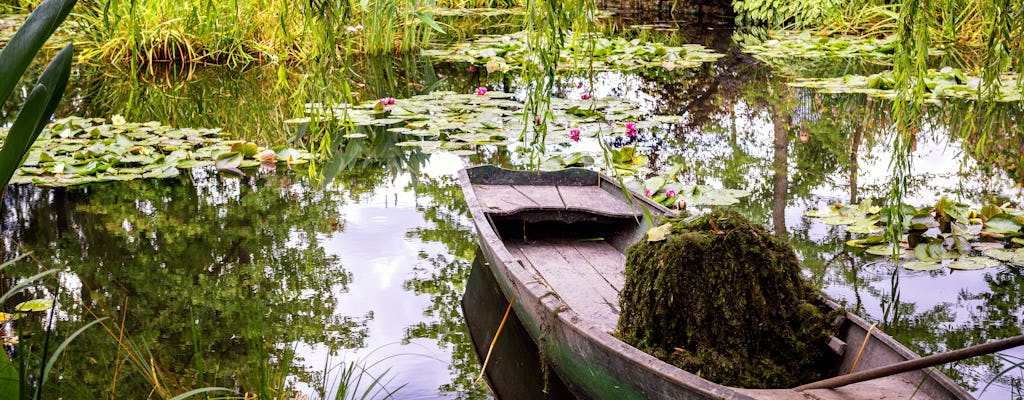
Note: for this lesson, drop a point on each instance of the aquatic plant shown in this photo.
(938, 84)
(76, 151)
(451, 121)
(253, 32)
(504, 53)
(45, 94)
(947, 234)
(779, 13)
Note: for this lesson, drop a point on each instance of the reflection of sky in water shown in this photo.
(375, 249)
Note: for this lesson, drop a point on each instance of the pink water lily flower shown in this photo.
(387, 101)
(585, 96)
(574, 134)
(480, 91)
(631, 129)
(647, 192)
(670, 194)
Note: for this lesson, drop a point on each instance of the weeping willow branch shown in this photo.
(910, 65)
(547, 25)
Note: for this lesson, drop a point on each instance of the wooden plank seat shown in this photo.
(512, 199)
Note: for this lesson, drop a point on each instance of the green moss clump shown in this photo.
(724, 299)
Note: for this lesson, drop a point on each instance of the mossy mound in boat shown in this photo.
(724, 299)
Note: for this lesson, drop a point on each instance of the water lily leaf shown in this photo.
(840, 220)
(923, 221)
(922, 265)
(654, 184)
(229, 160)
(1003, 223)
(659, 233)
(34, 305)
(866, 242)
(1015, 257)
(246, 149)
(861, 226)
(947, 209)
(991, 210)
(885, 250)
(973, 263)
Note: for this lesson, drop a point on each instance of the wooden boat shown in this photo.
(555, 243)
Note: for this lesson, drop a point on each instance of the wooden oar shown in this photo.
(919, 363)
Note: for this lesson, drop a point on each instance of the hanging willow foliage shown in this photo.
(547, 24)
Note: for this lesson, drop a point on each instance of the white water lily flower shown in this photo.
(117, 119)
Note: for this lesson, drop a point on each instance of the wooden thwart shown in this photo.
(511, 199)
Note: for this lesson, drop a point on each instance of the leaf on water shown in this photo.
(1003, 223)
(1015, 257)
(659, 233)
(34, 305)
(864, 227)
(973, 263)
(866, 242)
(229, 160)
(922, 265)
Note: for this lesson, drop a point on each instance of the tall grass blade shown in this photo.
(21, 135)
(24, 284)
(59, 350)
(55, 79)
(194, 392)
(11, 262)
(1018, 365)
(19, 52)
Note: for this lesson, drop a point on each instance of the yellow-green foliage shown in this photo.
(723, 298)
(239, 32)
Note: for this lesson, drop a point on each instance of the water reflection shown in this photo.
(512, 369)
(199, 273)
(272, 276)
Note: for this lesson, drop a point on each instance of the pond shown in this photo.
(276, 279)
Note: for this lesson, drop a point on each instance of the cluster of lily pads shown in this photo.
(507, 52)
(948, 234)
(943, 83)
(76, 151)
(805, 44)
(456, 122)
(669, 192)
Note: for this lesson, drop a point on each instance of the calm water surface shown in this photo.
(277, 277)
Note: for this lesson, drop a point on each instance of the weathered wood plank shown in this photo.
(606, 260)
(596, 200)
(544, 196)
(576, 282)
(502, 199)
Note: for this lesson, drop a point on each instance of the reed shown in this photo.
(255, 32)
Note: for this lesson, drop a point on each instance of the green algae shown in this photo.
(724, 299)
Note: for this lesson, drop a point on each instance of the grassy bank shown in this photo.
(235, 32)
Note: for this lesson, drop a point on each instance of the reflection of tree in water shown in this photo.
(443, 276)
(218, 276)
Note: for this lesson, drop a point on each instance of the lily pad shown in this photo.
(76, 151)
(973, 263)
(1004, 224)
(922, 265)
(1015, 257)
(34, 305)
